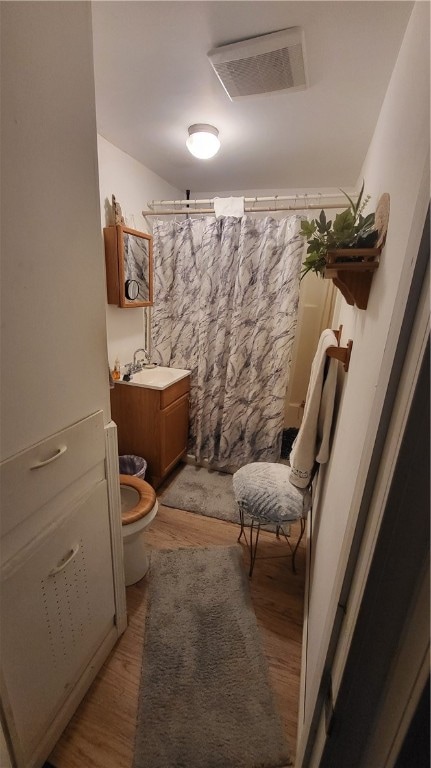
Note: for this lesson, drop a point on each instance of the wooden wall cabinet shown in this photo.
(152, 423)
(129, 267)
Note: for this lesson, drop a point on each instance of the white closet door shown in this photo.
(57, 606)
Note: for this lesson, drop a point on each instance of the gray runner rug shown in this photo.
(204, 699)
(204, 491)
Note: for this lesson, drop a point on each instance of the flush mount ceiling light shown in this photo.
(203, 141)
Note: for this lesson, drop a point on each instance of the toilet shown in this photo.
(138, 508)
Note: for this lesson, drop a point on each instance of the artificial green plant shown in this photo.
(350, 229)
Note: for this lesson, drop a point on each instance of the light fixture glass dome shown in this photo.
(203, 141)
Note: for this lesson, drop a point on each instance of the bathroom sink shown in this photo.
(156, 378)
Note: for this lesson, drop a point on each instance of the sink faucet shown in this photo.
(136, 366)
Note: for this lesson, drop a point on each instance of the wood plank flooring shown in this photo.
(101, 733)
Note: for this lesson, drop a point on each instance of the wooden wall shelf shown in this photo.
(351, 270)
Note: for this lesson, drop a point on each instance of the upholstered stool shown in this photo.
(264, 492)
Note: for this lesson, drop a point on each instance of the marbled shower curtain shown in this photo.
(225, 306)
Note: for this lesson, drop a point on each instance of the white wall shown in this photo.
(133, 186)
(54, 362)
(315, 311)
(397, 162)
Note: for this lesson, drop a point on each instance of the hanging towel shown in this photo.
(312, 441)
(228, 206)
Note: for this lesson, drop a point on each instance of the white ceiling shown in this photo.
(153, 80)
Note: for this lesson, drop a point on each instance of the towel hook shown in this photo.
(341, 353)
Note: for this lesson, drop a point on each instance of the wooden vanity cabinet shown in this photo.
(152, 423)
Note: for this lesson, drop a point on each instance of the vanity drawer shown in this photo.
(31, 478)
(172, 393)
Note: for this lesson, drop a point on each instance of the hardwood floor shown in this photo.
(101, 733)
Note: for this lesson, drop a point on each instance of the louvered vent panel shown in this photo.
(67, 608)
(262, 65)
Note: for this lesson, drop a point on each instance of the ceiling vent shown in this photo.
(266, 64)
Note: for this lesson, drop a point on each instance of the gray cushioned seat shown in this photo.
(265, 492)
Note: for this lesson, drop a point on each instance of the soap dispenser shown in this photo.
(116, 375)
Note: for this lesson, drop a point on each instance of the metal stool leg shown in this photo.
(242, 532)
(297, 544)
(253, 551)
(241, 520)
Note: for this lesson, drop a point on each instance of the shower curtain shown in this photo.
(225, 306)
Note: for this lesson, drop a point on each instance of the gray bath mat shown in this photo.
(204, 699)
(200, 490)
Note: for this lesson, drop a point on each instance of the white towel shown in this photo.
(228, 206)
(312, 441)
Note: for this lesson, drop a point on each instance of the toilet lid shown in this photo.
(147, 499)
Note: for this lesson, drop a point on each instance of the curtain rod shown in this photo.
(187, 205)
(210, 211)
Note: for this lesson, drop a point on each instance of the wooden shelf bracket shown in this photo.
(353, 278)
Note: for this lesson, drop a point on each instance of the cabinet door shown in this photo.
(57, 606)
(174, 424)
